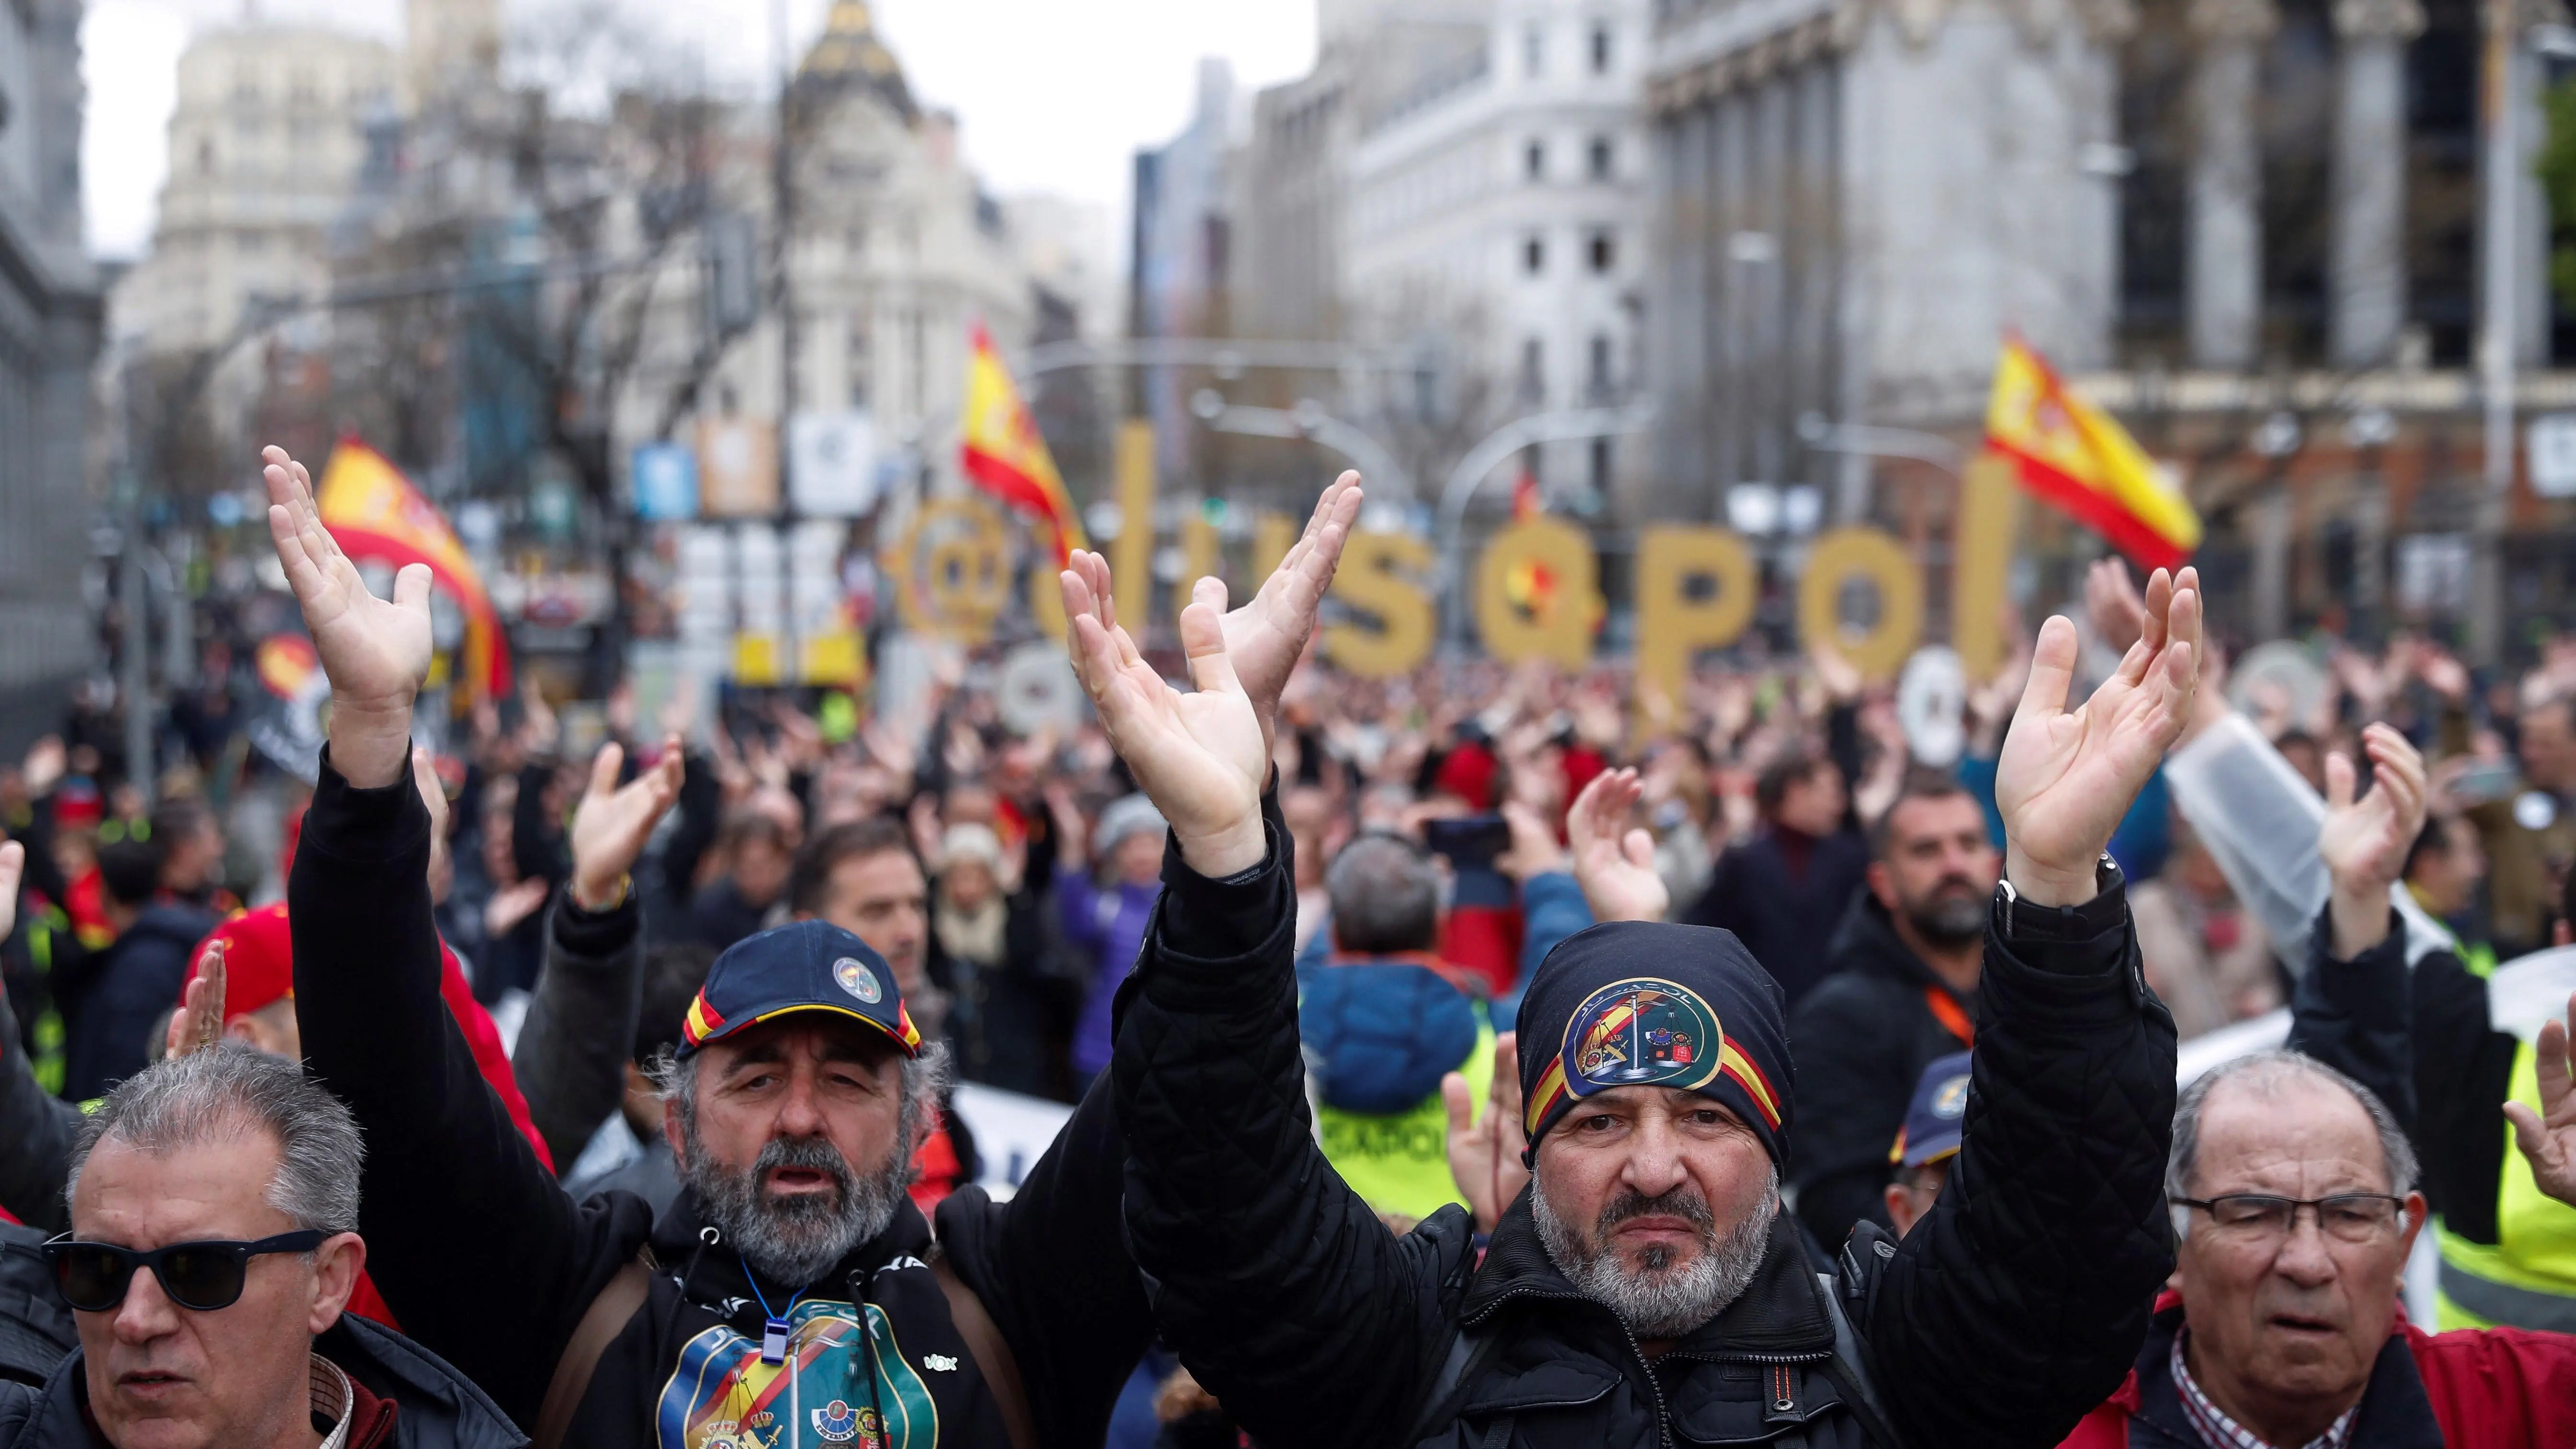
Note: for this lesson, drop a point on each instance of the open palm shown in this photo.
(376, 651)
(2364, 841)
(2548, 1137)
(612, 822)
(1266, 636)
(1613, 864)
(2065, 778)
(1200, 756)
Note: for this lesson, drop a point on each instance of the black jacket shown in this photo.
(1861, 1040)
(129, 988)
(2422, 1040)
(2010, 1311)
(1783, 909)
(490, 1264)
(435, 1407)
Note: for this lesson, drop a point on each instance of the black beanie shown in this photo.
(1644, 1003)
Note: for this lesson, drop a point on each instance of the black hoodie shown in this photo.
(1861, 1040)
(491, 1265)
(130, 987)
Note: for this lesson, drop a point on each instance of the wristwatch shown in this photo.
(2016, 917)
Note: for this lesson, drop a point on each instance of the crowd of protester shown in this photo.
(655, 1136)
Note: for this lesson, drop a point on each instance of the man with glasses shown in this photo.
(209, 1258)
(2294, 1194)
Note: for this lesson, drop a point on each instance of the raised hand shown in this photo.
(1485, 1152)
(2112, 605)
(1614, 864)
(2548, 1137)
(1200, 757)
(1265, 637)
(375, 651)
(512, 904)
(2364, 841)
(199, 1021)
(612, 823)
(2065, 779)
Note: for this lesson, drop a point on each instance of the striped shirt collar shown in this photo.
(2221, 1432)
(334, 1400)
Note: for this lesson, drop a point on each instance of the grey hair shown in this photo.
(223, 1092)
(1385, 896)
(924, 1079)
(2267, 1072)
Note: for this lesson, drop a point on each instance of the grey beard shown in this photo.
(1949, 919)
(794, 1239)
(1668, 1296)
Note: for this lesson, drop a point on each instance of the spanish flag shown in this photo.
(1003, 452)
(2076, 456)
(373, 512)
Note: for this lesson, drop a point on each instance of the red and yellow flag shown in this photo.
(374, 512)
(1002, 451)
(2076, 456)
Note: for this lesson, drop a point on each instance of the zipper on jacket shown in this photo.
(1636, 1350)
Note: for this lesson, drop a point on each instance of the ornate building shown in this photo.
(2250, 226)
(266, 145)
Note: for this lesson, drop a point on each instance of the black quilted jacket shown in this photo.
(2009, 1312)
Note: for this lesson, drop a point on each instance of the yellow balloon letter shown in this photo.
(1837, 558)
(1538, 593)
(1372, 579)
(1671, 624)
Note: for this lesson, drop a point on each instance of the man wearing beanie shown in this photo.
(1642, 1287)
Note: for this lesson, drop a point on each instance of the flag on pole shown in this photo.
(374, 513)
(2076, 456)
(1003, 452)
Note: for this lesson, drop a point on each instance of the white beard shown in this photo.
(1669, 1295)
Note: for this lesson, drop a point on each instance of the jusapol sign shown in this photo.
(1535, 591)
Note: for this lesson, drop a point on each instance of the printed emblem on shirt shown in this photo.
(857, 979)
(1641, 1032)
(838, 1423)
(831, 1387)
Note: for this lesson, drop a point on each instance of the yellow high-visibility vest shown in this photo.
(1398, 1162)
(2527, 1277)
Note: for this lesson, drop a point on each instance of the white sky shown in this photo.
(1052, 96)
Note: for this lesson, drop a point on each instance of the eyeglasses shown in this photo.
(2351, 1217)
(204, 1276)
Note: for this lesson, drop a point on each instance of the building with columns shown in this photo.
(2252, 227)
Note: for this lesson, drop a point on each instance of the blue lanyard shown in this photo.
(773, 1331)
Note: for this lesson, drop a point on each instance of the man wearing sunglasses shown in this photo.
(2295, 1196)
(209, 1258)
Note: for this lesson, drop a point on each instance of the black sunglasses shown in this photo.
(204, 1277)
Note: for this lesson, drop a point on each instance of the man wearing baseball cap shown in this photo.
(1928, 1140)
(1642, 1285)
(791, 1294)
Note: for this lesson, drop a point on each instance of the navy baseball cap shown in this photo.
(1933, 1118)
(802, 966)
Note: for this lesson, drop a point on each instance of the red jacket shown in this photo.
(2498, 1388)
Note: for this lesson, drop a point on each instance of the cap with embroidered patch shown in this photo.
(1936, 1119)
(802, 966)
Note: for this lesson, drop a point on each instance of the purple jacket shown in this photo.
(1106, 923)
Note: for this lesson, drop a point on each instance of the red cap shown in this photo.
(259, 960)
